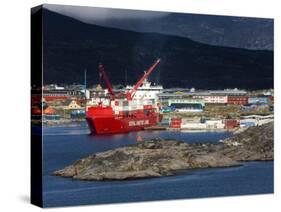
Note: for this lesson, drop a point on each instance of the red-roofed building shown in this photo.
(237, 100)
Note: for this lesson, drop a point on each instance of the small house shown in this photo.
(72, 105)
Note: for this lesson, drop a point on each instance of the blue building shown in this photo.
(258, 100)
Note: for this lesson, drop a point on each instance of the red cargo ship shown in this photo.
(124, 112)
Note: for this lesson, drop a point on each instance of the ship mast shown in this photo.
(85, 88)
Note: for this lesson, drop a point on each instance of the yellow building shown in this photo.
(72, 104)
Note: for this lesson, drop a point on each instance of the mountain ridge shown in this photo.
(79, 45)
(209, 29)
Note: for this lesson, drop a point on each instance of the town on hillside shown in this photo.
(181, 108)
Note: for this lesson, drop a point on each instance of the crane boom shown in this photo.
(131, 93)
(107, 82)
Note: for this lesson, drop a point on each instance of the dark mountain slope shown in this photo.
(257, 33)
(70, 46)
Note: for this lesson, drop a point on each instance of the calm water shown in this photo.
(64, 145)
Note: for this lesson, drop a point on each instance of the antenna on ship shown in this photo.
(85, 82)
(126, 77)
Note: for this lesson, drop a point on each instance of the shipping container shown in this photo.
(231, 123)
(175, 123)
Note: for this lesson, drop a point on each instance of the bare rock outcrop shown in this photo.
(157, 158)
(255, 143)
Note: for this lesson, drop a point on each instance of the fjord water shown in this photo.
(62, 145)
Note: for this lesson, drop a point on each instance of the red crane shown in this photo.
(130, 94)
(107, 82)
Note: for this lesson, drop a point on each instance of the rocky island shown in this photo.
(158, 157)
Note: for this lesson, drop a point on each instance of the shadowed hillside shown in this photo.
(70, 46)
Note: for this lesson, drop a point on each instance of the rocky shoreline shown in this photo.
(155, 158)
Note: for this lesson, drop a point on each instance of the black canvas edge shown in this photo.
(36, 80)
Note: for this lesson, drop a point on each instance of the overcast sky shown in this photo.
(95, 14)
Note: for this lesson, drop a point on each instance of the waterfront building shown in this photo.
(237, 100)
(165, 97)
(187, 105)
(212, 99)
(228, 92)
(48, 113)
(259, 120)
(248, 122)
(258, 100)
(220, 96)
(55, 95)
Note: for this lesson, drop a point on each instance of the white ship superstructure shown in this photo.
(147, 94)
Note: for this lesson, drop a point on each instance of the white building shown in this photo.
(215, 124)
(197, 125)
(258, 120)
(213, 99)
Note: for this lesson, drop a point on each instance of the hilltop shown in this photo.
(70, 46)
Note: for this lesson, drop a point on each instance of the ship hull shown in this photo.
(115, 124)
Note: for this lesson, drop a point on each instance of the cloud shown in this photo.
(96, 14)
